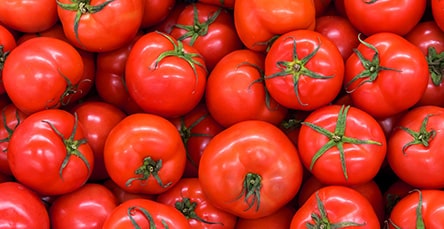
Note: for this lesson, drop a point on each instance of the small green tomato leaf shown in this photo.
(9, 130)
(421, 137)
(3, 56)
(148, 168)
(251, 190)
(436, 65)
(188, 207)
(132, 210)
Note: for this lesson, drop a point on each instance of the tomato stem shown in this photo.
(421, 137)
(436, 65)
(251, 188)
(149, 168)
(148, 216)
(187, 207)
(9, 130)
(3, 56)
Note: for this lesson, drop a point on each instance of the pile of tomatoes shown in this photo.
(221, 114)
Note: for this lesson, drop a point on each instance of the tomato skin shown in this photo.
(132, 209)
(394, 193)
(123, 195)
(258, 21)
(7, 43)
(21, 207)
(86, 207)
(126, 153)
(342, 204)
(36, 153)
(285, 70)
(155, 12)
(281, 219)
(250, 152)
(47, 70)
(437, 7)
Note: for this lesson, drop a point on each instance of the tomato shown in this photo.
(437, 7)
(209, 29)
(21, 207)
(419, 209)
(86, 207)
(259, 22)
(48, 153)
(321, 6)
(386, 75)
(28, 16)
(250, 169)
(47, 70)
(341, 145)
(10, 117)
(144, 153)
(187, 197)
(155, 11)
(99, 25)
(97, 119)
(7, 43)
(375, 16)
(335, 207)
(123, 195)
(281, 219)
(416, 142)
(303, 70)
(144, 213)
(430, 39)
(167, 24)
(394, 193)
(238, 81)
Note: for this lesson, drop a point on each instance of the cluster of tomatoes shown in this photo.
(221, 114)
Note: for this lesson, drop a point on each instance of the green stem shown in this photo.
(188, 209)
(148, 168)
(251, 188)
(131, 212)
(421, 137)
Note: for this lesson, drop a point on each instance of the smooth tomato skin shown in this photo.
(40, 65)
(405, 164)
(86, 207)
(137, 137)
(40, 15)
(397, 17)
(258, 21)
(169, 87)
(36, 153)
(393, 91)
(110, 28)
(155, 11)
(281, 219)
(313, 92)
(437, 7)
(342, 204)
(190, 188)
(235, 82)
(21, 207)
(161, 214)
(250, 147)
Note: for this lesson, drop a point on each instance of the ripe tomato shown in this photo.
(259, 22)
(144, 213)
(238, 81)
(165, 76)
(47, 70)
(303, 70)
(281, 219)
(437, 7)
(155, 11)
(48, 153)
(144, 153)
(375, 16)
(21, 207)
(335, 207)
(86, 207)
(100, 25)
(187, 197)
(416, 142)
(251, 169)
(386, 75)
(342, 145)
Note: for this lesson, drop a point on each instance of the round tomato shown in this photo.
(251, 169)
(304, 70)
(155, 11)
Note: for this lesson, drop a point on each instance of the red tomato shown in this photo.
(86, 207)
(246, 169)
(48, 153)
(336, 207)
(29, 16)
(281, 219)
(303, 70)
(100, 25)
(259, 22)
(47, 70)
(437, 7)
(21, 207)
(143, 213)
(209, 29)
(165, 76)
(144, 153)
(168, 23)
(386, 75)
(396, 16)
(7, 43)
(187, 197)
(394, 193)
(416, 142)
(155, 11)
(342, 145)
(238, 81)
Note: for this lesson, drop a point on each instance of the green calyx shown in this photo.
(321, 221)
(421, 137)
(187, 207)
(3, 56)
(337, 139)
(148, 168)
(186, 133)
(251, 190)
(371, 67)
(131, 212)
(197, 29)
(436, 65)
(71, 146)
(296, 68)
(9, 130)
